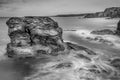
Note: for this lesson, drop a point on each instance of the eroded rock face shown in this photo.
(113, 12)
(31, 36)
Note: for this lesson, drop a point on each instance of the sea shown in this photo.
(12, 71)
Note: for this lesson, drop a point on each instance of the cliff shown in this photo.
(31, 36)
(112, 12)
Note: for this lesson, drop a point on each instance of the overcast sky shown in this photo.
(53, 7)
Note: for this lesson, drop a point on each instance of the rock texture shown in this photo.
(103, 32)
(31, 36)
(113, 12)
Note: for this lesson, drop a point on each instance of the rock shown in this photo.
(118, 28)
(116, 62)
(76, 47)
(15, 24)
(94, 15)
(28, 32)
(103, 32)
(19, 52)
(20, 39)
(113, 12)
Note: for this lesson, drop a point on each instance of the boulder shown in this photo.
(118, 28)
(34, 34)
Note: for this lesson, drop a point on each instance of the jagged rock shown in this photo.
(72, 46)
(20, 39)
(15, 24)
(116, 63)
(112, 12)
(26, 32)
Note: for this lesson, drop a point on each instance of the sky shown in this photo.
(53, 7)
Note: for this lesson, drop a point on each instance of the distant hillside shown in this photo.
(112, 12)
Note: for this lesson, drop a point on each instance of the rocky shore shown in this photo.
(108, 31)
(105, 36)
(37, 41)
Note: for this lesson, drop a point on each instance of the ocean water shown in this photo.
(9, 70)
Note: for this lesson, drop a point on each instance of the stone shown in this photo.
(41, 34)
(20, 39)
(118, 28)
(19, 52)
(103, 32)
(15, 24)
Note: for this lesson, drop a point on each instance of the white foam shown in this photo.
(110, 38)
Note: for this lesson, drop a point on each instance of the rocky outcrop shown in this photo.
(103, 32)
(31, 36)
(113, 12)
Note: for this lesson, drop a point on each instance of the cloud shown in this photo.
(53, 7)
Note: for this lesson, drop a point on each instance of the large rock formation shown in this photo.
(31, 36)
(38, 41)
(113, 12)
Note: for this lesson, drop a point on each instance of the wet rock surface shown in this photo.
(37, 42)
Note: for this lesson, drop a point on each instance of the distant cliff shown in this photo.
(112, 12)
